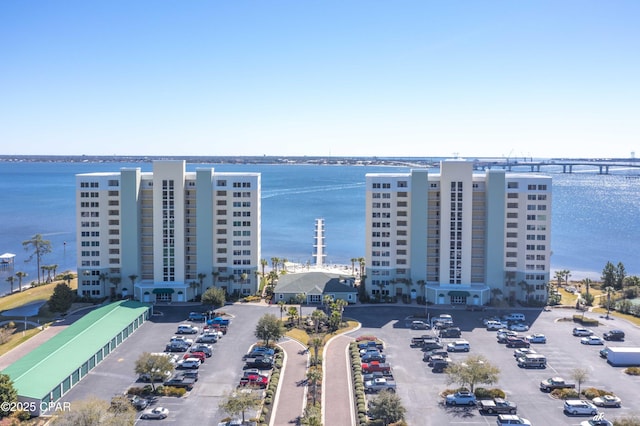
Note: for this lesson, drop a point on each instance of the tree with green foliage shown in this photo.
(472, 371)
(318, 317)
(38, 248)
(269, 328)
(7, 394)
(388, 407)
(314, 376)
(620, 275)
(11, 279)
(155, 366)
(608, 275)
(282, 306)
(62, 298)
(609, 290)
(239, 402)
(21, 275)
(214, 296)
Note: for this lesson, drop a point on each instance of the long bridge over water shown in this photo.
(603, 166)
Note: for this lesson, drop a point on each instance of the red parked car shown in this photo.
(254, 380)
(200, 355)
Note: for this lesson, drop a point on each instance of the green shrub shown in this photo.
(591, 393)
(173, 391)
(267, 401)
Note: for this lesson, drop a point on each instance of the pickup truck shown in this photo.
(419, 342)
(553, 383)
(180, 382)
(370, 367)
(497, 406)
(379, 384)
(370, 344)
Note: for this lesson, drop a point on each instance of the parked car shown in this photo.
(599, 421)
(537, 338)
(188, 363)
(202, 347)
(207, 338)
(187, 329)
(450, 332)
(255, 380)
(201, 356)
(438, 366)
(460, 398)
(519, 327)
(517, 342)
(155, 413)
(196, 316)
(581, 331)
(495, 325)
(258, 350)
(138, 402)
(373, 356)
(579, 407)
(419, 325)
(523, 351)
(497, 406)
(616, 335)
(181, 339)
(511, 419)
(592, 340)
(607, 401)
(176, 347)
(435, 352)
(459, 346)
(502, 335)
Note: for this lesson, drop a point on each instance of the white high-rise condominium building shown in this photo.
(458, 236)
(169, 234)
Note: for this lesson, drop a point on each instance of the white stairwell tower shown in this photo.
(318, 243)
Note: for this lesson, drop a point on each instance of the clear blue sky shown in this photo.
(548, 78)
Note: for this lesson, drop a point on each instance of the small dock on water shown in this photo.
(7, 261)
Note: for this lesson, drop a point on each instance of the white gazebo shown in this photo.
(6, 260)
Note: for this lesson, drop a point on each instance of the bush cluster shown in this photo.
(483, 393)
(584, 320)
(633, 371)
(565, 394)
(591, 393)
(173, 391)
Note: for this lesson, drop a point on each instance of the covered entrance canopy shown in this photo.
(444, 294)
(149, 292)
(163, 291)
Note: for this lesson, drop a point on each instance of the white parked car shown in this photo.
(519, 327)
(181, 339)
(511, 419)
(189, 363)
(537, 338)
(607, 401)
(495, 325)
(187, 329)
(155, 413)
(578, 406)
(581, 331)
(592, 340)
(520, 352)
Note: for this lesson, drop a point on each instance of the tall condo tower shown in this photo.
(318, 243)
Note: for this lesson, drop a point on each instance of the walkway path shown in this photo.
(291, 395)
(337, 388)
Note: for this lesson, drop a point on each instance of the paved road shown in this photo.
(292, 389)
(337, 395)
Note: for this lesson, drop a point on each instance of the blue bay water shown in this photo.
(595, 217)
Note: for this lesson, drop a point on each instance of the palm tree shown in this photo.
(282, 306)
(103, 278)
(292, 313)
(133, 278)
(283, 262)
(339, 307)
(193, 285)
(300, 298)
(20, 276)
(263, 265)
(423, 288)
(274, 263)
(54, 268)
(353, 265)
(243, 280)
(362, 263)
(314, 375)
(215, 274)
(201, 277)
(327, 300)
(317, 316)
(559, 275)
(495, 292)
(38, 247)
(11, 279)
(315, 343)
(68, 276)
(115, 282)
(609, 290)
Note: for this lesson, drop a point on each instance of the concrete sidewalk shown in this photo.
(290, 398)
(337, 386)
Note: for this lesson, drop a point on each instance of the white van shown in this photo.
(514, 317)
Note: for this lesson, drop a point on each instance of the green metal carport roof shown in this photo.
(44, 368)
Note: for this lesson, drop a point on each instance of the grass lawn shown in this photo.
(25, 297)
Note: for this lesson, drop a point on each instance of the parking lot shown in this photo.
(420, 389)
(218, 376)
